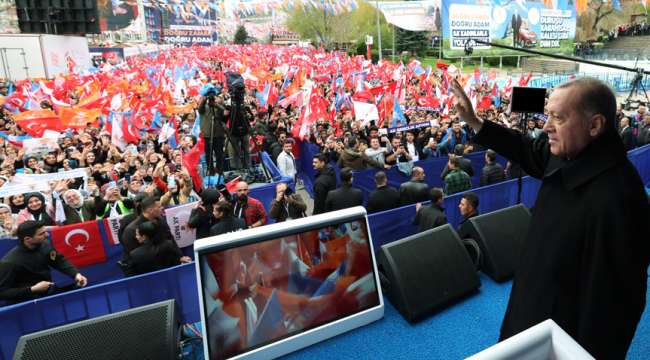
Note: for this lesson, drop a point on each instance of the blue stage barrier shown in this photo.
(178, 283)
(640, 157)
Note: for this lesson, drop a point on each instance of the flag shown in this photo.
(117, 133)
(365, 112)
(231, 185)
(523, 81)
(13, 139)
(112, 229)
(263, 97)
(80, 243)
(191, 163)
(398, 115)
(269, 321)
(177, 218)
(78, 118)
(35, 122)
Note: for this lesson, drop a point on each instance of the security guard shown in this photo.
(25, 270)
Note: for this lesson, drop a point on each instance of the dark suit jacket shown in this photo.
(344, 197)
(629, 142)
(411, 192)
(429, 217)
(383, 198)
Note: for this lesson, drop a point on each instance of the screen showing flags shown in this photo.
(259, 293)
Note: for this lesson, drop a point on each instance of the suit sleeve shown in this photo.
(533, 155)
(62, 264)
(614, 267)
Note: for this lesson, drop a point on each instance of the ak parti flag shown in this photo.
(78, 117)
(191, 163)
(80, 243)
(35, 122)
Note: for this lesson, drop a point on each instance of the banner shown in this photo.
(412, 15)
(45, 178)
(112, 227)
(545, 26)
(16, 189)
(177, 218)
(406, 127)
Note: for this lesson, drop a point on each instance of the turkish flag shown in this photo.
(35, 122)
(80, 243)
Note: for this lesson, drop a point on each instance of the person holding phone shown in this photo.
(286, 205)
(585, 259)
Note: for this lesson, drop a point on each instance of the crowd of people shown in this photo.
(159, 169)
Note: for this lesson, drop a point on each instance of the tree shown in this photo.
(416, 42)
(241, 35)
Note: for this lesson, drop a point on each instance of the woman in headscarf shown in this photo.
(36, 210)
(17, 203)
(7, 222)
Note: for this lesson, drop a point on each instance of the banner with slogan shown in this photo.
(412, 15)
(545, 26)
(177, 218)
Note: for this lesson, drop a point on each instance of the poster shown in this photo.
(543, 26)
(412, 15)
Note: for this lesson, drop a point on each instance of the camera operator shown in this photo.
(213, 117)
(240, 129)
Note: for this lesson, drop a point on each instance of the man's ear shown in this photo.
(597, 125)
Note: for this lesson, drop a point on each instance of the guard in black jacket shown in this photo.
(201, 217)
(415, 190)
(25, 270)
(154, 252)
(345, 196)
(325, 181)
(226, 220)
(585, 259)
(432, 215)
(492, 172)
(384, 197)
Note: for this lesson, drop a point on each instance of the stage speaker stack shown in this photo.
(500, 236)
(426, 271)
(58, 17)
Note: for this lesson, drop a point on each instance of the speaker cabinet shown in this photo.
(58, 16)
(426, 271)
(500, 236)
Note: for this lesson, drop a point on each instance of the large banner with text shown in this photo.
(548, 26)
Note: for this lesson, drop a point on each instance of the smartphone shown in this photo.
(528, 100)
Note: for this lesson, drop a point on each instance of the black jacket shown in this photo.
(150, 257)
(325, 181)
(202, 221)
(411, 192)
(227, 225)
(464, 164)
(383, 198)
(492, 173)
(292, 206)
(629, 142)
(429, 217)
(130, 243)
(644, 135)
(585, 259)
(21, 268)
(344, 197)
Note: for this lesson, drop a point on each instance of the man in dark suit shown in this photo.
(644, 131)
(626, 134)
(415, 190)
(432, 215)
(345, 196)
(325, 182)
(464, 164)
(584, 262)
(492, 172)
(384, 197)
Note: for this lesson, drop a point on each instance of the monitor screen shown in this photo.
(270, 286)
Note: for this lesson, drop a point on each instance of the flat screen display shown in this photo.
(263, 291)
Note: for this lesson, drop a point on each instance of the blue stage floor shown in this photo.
(453, 333)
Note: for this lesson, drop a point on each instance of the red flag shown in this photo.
(231, 185)
(80, 243)
(191, 163)
(485, 103)
(428, 101)
(495, 89)
(384, 89)
(523, 81)
(35, 122)
(131, 134)
(364, 96)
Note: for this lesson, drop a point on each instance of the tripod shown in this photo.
(637, 84)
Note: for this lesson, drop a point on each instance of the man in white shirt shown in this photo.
(376, 152)
(286, 162)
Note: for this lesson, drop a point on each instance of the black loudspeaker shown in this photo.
(146, 332)
(500, 236)
(58, 16)
(425, 271)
